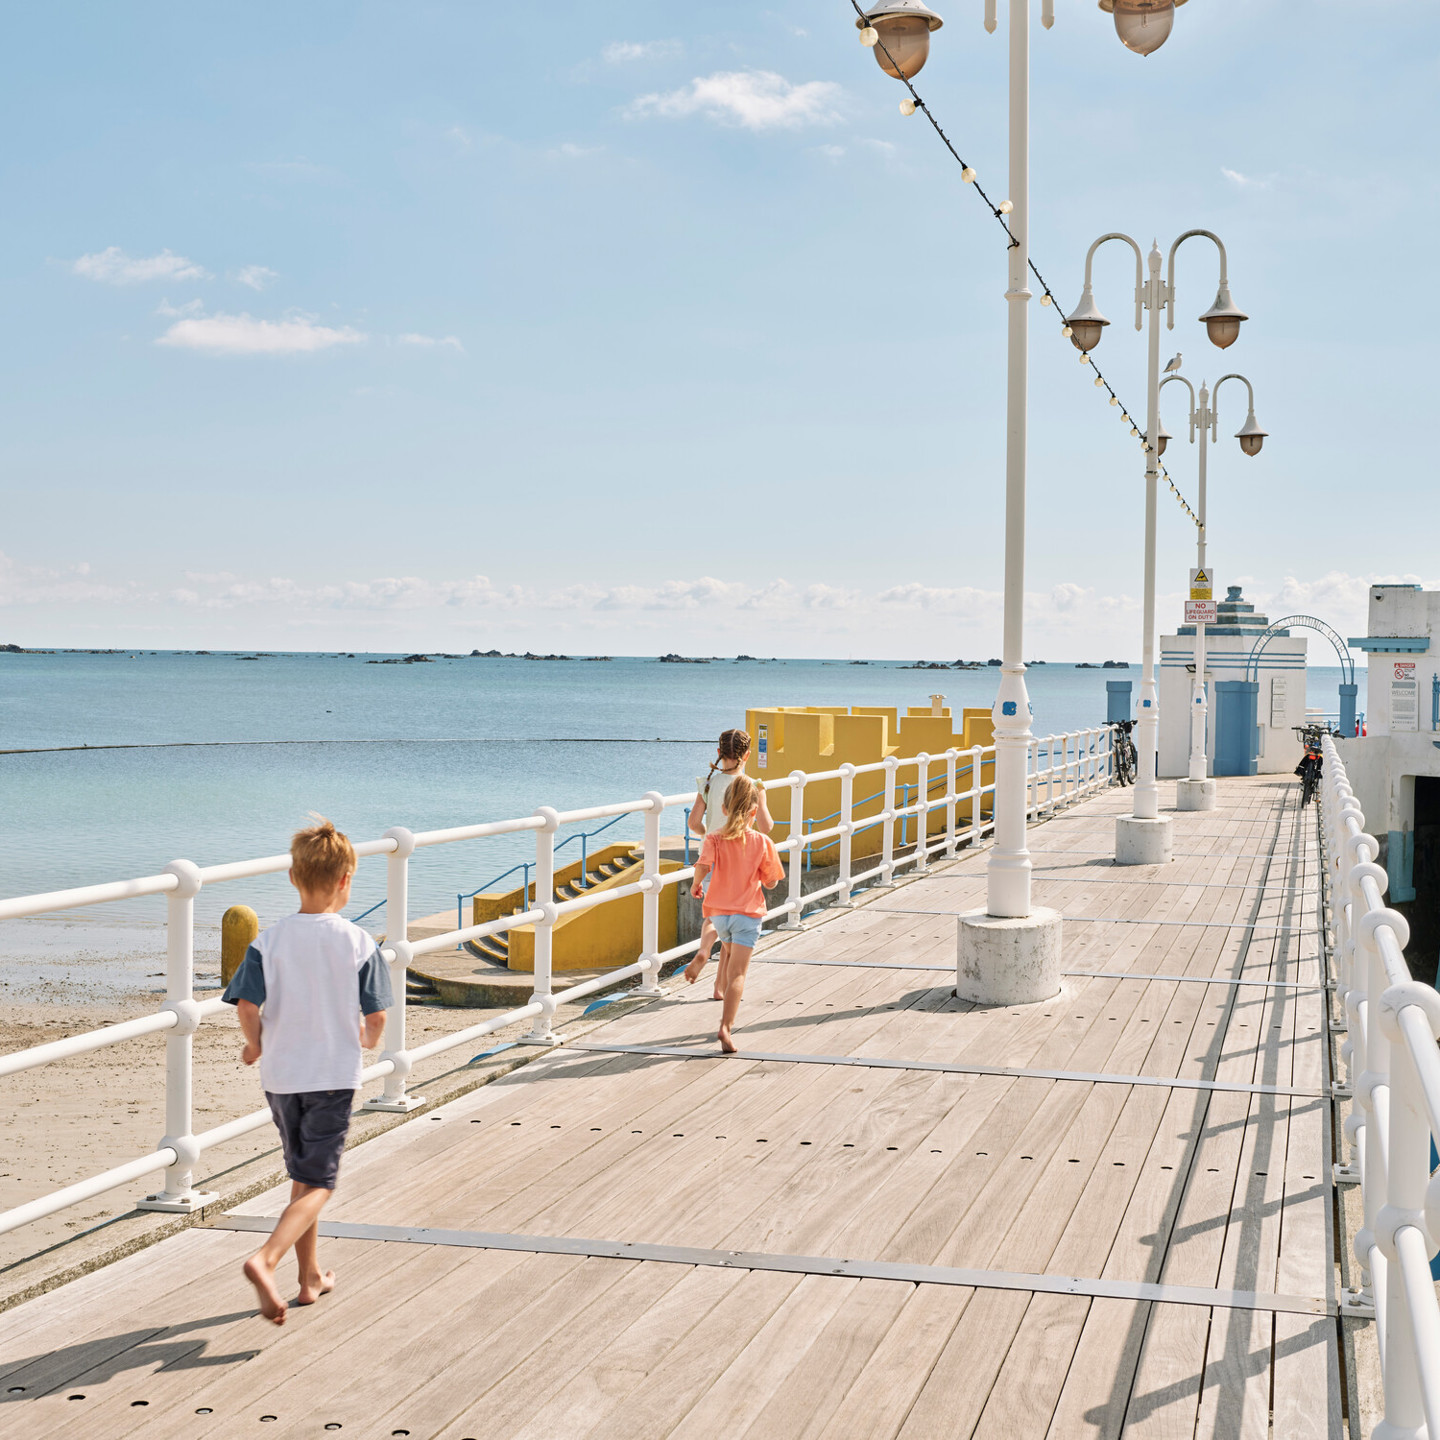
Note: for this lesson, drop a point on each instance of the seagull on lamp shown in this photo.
(1174, 365)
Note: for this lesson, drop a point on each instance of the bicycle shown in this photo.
(1312, 763)
(1122, 749)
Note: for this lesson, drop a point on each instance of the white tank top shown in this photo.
(715, 800)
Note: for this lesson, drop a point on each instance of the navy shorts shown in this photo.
(313, 1125)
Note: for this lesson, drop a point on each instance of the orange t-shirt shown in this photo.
(738, 869)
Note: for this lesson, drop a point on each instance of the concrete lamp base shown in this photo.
(1194, 794)
(1143, 842)
(1007, 961)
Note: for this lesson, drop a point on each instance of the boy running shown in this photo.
(311, 993)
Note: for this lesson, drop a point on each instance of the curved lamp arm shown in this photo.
(1191, 389)
(1170, 271)
(1139, 269)
(1215, 396)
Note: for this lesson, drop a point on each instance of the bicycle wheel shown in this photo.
(1132, 761)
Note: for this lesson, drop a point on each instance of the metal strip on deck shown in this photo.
(804, 1265)
(1076, 974)
(1256, 926)
(872, 1062)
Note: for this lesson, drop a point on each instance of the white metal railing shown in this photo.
(1062, 769)
(1393, 1070)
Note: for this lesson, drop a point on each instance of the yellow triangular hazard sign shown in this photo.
(1201, 578)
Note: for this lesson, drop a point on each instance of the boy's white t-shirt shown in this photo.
(318, 972)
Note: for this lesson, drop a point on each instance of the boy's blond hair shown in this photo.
(740, 801)
(321, 856)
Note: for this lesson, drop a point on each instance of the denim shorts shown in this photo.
(313, 1125)
(737, 929)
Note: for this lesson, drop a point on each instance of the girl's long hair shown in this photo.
(734, 745)
(740, 802)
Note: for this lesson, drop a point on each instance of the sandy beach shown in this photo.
(77, 1117)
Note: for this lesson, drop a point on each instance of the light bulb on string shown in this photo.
(1045, 298)
(1005, 207)
(1099, 381)
(907, 106)
(1066, 331)
(967, 174)
(869, 35)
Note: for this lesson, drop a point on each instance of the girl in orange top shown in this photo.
(739, 863)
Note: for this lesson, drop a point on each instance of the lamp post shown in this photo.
(1143, 837)
(1197, 791)
(1010, 951)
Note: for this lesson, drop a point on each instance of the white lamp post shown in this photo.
(1143, 837)
(1010, 951)
(1197, 791)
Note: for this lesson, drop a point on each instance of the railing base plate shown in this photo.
(396, 1104)
(1344, 1175)
(1356, 1306)
(1341, 1090)
(186, 1204)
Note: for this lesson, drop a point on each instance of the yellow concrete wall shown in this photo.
(819, 738)
(600, 939)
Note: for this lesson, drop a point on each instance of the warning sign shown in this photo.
(1202, 585)
(1201, 612)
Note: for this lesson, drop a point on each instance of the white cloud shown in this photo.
(831, 152)
(829, 597)
(113, 266)
(431, 342)
(222, 334)
(752, 99)
(405, 592)
(1245, 182)
(257, 277)
(44, 585)
(964, 600)
(620, 52)
(190, 307)
(570, 151)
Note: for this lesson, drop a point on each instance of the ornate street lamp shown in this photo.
(1142, 25)
(904, 26)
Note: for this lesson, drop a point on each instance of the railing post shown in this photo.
(847, 832)
(794, 896)
(922, 813)
(977, 787)
(397, 941)
(650, 900)
(541, 1032)
(950, 802)
(1050, 773)
(1407, 1177)
(887, 828)
(178, 1193)
(1372, 1094)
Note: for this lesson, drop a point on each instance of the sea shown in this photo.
(116, 763)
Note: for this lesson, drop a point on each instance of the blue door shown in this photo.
(1236, 737)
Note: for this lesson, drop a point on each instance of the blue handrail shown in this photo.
(584, 837)
(370, 911)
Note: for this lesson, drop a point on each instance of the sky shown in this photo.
(433, 326)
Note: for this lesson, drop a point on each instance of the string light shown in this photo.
(909, 106)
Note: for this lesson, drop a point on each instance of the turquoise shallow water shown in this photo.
(427, 745)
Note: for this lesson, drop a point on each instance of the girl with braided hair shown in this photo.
(707, 816)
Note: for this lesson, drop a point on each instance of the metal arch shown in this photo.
(1308, 622)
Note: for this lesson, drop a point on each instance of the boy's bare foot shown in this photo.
(717, 996)
(695, 968)
(272, 1307)
(312, 1290)
(726, 1043)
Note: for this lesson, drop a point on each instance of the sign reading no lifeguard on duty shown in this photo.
(1200, 608)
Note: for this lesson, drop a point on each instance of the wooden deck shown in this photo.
(1089, 1251)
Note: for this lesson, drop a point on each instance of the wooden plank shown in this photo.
(1097, 1383)
(1025, 1393)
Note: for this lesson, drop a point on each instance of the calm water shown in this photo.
(370, 745)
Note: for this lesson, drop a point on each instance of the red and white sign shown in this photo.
(1404, 669)
(1201, 612)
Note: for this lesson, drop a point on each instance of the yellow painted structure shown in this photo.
(238, 928)
(602, 938)
(819, 738)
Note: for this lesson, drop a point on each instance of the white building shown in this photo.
(1395, 767)
(1279, 702)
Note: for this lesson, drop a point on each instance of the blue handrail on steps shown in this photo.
(584, 837)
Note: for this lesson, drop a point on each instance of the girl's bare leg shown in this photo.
(696, 967)
(722, 972)
(738, 957)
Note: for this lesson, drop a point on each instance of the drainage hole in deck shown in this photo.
(204, 1410)
(1072, 1162)
(637, 1132)
(16, 1390)
(678, 1135)
(332, 1425)
(805, 1142)
(74, 1397)
(762, 1141)
(514, 1122)
(554, 1127)
(892, 1147)
(982, 1153)
(134, 1403)
(594, 1129)
(1212, 1171)
(849, 1144)
(267, 1417)
(1262, 1172)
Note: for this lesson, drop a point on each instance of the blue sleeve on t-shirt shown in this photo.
(248, 982)
(376, 993)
